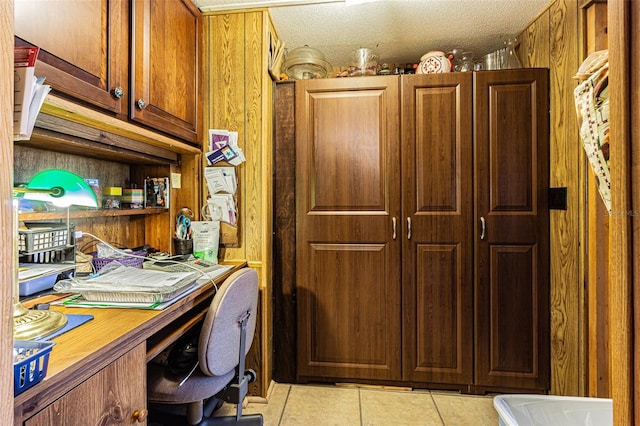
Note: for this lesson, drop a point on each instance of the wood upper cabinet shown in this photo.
(165, 67)
(348, 228)
(117, 394)
(511, 235)
(437, 215)
(83, 47)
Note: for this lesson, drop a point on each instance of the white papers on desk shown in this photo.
(29, 92)
(119, 283)
(77, 301)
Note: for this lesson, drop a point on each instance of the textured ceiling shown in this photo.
(399, 31)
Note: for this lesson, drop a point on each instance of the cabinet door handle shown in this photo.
(483, 227)
(118, 92)
(393, 224)
(408, 228)
(141, 103)
(140, 415)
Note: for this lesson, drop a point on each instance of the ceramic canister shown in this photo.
(434, 62)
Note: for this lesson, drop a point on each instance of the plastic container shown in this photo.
(39, 237)
(30, 361)
(548, 410)
(363, 62)
(111, 197)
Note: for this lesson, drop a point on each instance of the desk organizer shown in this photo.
(44, 237)
(30, 360)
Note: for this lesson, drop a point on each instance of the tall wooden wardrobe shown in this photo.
(422, 230)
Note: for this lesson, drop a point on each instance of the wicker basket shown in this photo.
(134, 262)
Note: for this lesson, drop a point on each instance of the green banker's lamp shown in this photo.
(63, 189)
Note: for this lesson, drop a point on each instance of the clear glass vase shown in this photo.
(511, 59)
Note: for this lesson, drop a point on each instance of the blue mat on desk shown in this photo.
(73, 321)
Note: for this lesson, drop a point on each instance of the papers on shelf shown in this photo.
(29, 92)
(223, 146)
(28, 271)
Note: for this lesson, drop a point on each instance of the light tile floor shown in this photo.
(302, 405)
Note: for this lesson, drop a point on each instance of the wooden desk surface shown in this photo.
(85, 350)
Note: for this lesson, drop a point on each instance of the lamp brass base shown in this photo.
(30, 323)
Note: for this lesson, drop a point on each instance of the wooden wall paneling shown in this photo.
(7, 259)
(594, 16)
(553, 41)
(226, 93)
(266, 199)
(534, 43)
(567, 295)
(239, 96)
(284, 244)
(251, 206)
(624, 110)
(253, 135)
(634, 286)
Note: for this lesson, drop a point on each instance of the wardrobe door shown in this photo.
(348, 229)
(437, 208)
(512, 229)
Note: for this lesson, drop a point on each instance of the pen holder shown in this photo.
(182, 246)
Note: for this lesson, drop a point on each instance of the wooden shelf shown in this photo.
(89, 213)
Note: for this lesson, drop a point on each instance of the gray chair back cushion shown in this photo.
(218, 347)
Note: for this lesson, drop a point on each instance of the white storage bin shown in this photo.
(548, 410)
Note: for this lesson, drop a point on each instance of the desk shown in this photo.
(97, 371)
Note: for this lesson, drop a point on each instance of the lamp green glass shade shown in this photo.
(61, 188)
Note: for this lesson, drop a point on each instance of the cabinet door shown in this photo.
(83, 47)
(347, 198)
(115, 395)
(165, 62)
(512, 228)
(437, 212)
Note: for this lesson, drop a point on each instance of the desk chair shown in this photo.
(225, 339)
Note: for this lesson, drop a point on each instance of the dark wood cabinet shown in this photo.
(83, 47)
(348, 228)
(422, 230)
(437, 250)
(511, 237)
(165, 67)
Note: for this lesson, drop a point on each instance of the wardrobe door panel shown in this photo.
(512, 230)
(437, 204)
(347, 201)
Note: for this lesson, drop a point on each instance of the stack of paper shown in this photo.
(223, 146)
(222, 184)
(28, 93)
(221, 179)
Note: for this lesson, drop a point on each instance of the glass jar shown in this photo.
(511, 60)
(467, 64)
